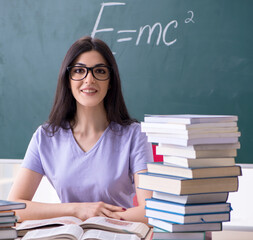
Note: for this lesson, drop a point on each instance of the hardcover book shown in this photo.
(192, 199)
(187, 208)
(10, 205)
(202, 172)
(194, 227)
(8, 233)
(194, 141)
(199, 162)
(171, 127)
(187, 218)
(8, 219)
(159, 234)
(191, 136)
(204, 147)
(184, 186)
(190, 118)
(199, 151)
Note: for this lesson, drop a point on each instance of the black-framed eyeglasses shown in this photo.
(79, 72)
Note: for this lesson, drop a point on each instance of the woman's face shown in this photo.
(89, 92)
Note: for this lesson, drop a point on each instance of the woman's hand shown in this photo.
(87, 210)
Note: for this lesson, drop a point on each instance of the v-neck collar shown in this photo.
(77, 149)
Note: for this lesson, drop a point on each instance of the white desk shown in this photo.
(241, 225)
(242, 203)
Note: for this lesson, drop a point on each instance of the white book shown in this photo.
(199, 162)
(173, 227)
(181, 126)
(204, 146)
(190, 131)
(187, 135)
(199, 151)
(190, 118)
(189, 142)
(192, 199)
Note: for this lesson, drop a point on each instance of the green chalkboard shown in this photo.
(175, 56)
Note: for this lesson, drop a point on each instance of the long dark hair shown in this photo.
(64, 107)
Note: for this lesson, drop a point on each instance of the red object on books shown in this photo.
(157, 158)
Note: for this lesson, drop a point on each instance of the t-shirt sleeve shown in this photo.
(32, 159)
(141, 150)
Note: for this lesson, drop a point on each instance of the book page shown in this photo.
(71, 231)
(109, 223)
(100, 234)
(29, 224)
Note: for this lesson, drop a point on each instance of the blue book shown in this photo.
(187, 208)
(10, 205)
(187, 218)
(190, 227)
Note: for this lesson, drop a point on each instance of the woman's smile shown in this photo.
(89, 91)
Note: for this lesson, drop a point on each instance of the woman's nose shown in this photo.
(89, 78)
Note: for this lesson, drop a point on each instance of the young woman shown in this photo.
(90, 149)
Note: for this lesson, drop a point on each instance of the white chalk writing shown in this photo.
(162, 33)
(187, 20)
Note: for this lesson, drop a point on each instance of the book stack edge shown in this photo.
(8, 218)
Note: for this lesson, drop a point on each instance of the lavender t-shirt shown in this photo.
(104, 173)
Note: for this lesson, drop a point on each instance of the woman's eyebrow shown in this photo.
(84, 65)
(80, 64)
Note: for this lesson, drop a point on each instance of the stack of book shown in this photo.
(8, 218)
(191, 186)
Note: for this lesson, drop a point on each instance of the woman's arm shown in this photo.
(24, 188)
(137, 214)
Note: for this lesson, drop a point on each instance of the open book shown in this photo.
(75, 232)
(102, 223)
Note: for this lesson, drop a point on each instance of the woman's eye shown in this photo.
(100, 70)
(78, 70)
